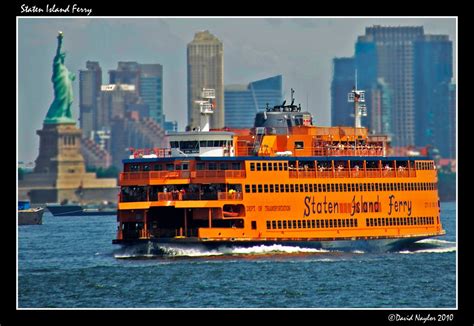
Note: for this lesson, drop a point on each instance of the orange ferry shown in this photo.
(284, 181)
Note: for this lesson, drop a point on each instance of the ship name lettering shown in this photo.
(399, 205)
(329, 207)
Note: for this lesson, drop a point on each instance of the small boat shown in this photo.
(78, 210)
(28, 215)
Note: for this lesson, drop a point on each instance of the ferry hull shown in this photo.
(161, 246)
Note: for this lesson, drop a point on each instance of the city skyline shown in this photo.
(300, 49)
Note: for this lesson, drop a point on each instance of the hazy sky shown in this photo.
(301, 49)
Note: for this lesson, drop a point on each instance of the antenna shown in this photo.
(292, 98)
(358, 98)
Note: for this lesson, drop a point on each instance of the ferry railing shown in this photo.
(352, 173)
(220, 174)
(173, 196)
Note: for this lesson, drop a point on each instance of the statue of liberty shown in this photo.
(60, 109)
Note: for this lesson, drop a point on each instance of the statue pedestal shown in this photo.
(60, 171)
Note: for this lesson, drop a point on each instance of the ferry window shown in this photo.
(282, 188)
(254, 188)
(274, 224)
(247, 188)
(265, 188)
(275, 166)
(306, 187)
(311, 187)
(270, 167)
(299, 224)
(200, 166)
(299, 145)
(174, 144)
(294, 224)
(351, 222)
(235, 165)
(212, 166)
(223, 166)
(268, 225)
(313, 224)
(317, 224)
(264, 166)
(336, 186)
(285, 166)
(259, 167)
(301, 187)
(259, 187)
(280, 166)
(202, 143)
(326, 224)
(332, 187)
(292, 188)
(324, 187)
(344, 187)
(287, 187)
(289, 225)
(330, 223)
(279, 224)
(158, 167)
(296, 188)
(271, 188)
(170, 167)
(357, 187)
(376, 187)
(177, 167)
(277, 188)
(185, 166)
(252, 166)
(303, 224)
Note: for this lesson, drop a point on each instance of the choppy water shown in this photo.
(70, 262)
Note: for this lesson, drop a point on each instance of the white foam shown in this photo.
(429, 251)
(435, 241)
(255, 250)
(358, 252)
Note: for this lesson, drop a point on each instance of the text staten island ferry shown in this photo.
(283, 181)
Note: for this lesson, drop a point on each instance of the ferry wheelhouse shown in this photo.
(284, 181)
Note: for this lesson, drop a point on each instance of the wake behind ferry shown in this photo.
(284, 181)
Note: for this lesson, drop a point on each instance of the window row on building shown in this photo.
(391, 221)
(311, 224)
(340, 187)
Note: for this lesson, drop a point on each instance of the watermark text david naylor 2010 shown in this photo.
(54, 9)
(420, 317)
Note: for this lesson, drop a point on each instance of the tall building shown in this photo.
(452, 121)
(205, 56)
(90, 81)
(343, 80)
(380, 108)
(151, 90)
(433, 72)
(115, 99)
(148, 81)
(242, 102)
(393, 49)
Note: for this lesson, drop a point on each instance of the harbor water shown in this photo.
(70, 262)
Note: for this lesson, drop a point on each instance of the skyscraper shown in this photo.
(148, 81)
(392, 53)
(205, 56)
(433, 71)
(343, 80)
(242, 102)
(90, 81)
(151, 90)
